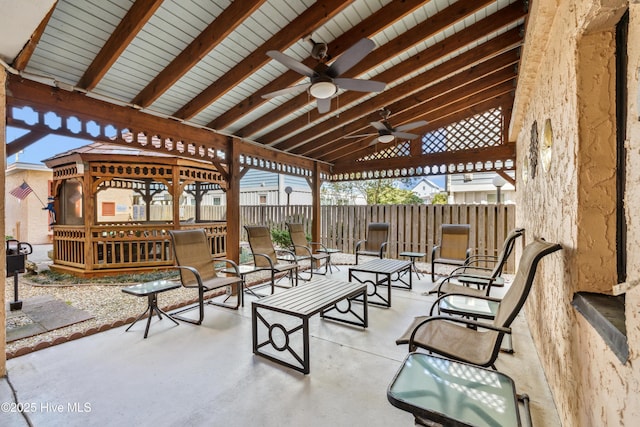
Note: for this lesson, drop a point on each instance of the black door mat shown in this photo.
(41, 314)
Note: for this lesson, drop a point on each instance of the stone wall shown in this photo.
(568, 78)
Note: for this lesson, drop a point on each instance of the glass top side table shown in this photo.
(454, 393)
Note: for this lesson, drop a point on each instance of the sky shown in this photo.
(47, 147)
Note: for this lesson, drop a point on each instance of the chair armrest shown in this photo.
(288, 252)
(193, 271)
(318, 244)
(360, 242)
(463, 270)
(467, 255)
(460, 320)
(229, 262)
(476, 259)
(306, 248)
(267, 257)
(383, 248)
(436, 303)
(488, 279)
(433, 251)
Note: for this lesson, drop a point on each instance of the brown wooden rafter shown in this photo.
(393, 98)
(351, 151)
(370, 26)
(217, 31)
(125, 32)
(495, 22)
(309, 20)
(25, 54)
(162, 135)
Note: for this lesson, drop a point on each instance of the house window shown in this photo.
(263, 199)
(217, 201)
(622, 30)
(108, 209)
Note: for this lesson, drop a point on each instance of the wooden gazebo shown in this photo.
(104, 196)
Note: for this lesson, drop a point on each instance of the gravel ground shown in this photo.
(105, 302)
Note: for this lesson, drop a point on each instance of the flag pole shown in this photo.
(34, 193)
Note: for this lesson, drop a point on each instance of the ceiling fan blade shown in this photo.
(291, 63)
(379, 126)
(404, 135)
(324, 105)
(294, 90)
(360, 85)
(412, 125)
(351, 57)
(360, 136)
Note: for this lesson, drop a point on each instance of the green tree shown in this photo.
(439, 199)
(383, 192)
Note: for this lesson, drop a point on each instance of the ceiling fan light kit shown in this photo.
(323, 90)
(385, 139)
(325, 79)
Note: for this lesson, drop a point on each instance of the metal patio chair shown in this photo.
(192, 255)
(476, 273)
(303, 249)
(266, 257)
(453, 248)
(472, 341)
(376, 241)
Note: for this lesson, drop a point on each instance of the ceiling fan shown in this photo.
(387, 133)
(325, 79)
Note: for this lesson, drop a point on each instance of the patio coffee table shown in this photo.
(439, 391)
(151, 291)
(330, 298)
(385, 268)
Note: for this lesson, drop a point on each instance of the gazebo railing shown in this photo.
(126, 246)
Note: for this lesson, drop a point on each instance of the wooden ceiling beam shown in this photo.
(436, 124)
(43, 99)
(370, 26)
(402, 43)
(464, 103)
(431, 99)
(216, 32)
(307, 22)
(351, 121)
(480, 29)
(492, 154)
(125, 32)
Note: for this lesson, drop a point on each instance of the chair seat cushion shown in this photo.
(319, 256)
(219, 282)
(284, 266)
(459, 342)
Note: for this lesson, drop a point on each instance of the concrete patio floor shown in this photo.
(207, 375)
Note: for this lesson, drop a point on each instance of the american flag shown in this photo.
(21, 191)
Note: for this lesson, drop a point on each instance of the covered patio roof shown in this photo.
(192, 75)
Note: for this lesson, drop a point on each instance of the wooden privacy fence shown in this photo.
(413, 228)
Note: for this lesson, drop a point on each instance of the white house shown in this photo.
(478, 188)
(426, 189)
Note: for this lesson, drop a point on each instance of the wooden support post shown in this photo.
(90, 214)
(315, 208)
(233, 200)
(3, 272)
(176, 192)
